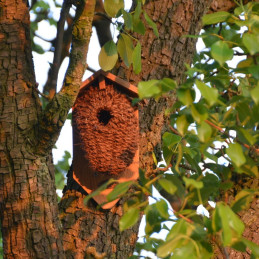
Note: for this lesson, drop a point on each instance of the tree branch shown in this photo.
(58, 47)
(56, 111)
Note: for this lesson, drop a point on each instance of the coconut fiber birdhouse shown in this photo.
(105, 134)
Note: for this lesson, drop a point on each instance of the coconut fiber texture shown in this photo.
(105, 122)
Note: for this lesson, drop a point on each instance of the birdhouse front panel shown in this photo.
(105, 132)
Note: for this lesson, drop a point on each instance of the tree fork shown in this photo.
(55, 114)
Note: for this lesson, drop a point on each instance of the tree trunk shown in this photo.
(28, 202)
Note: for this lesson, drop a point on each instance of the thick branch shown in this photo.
(58, 47)
(49, 88)
(102, 23)
(56, 111)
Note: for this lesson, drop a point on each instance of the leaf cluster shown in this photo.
(127, 48)
(213, 141)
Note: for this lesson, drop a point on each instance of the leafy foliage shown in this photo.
(213, 142)
(128, 48)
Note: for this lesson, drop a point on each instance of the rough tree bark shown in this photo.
(28, 202)
(31, 224)
(29, 212)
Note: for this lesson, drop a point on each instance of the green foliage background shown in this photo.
(213, 142)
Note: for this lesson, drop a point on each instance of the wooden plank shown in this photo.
(102, 84)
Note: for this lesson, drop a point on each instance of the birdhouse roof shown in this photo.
(130, 89)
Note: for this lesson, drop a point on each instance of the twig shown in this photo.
(38, 91)
(214, 126)
(183, 217)
(174, 130)
(42, 94)
(91, 69)
(221, 249)
(163, 169)
(222, 131)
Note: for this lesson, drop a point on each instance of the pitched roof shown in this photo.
(130, 89)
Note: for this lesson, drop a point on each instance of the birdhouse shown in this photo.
(105, 134)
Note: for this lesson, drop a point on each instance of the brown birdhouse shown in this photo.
(105, 134)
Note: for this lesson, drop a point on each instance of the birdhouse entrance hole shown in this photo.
(104, 116)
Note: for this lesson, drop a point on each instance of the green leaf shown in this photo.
(254, 22)
(129, 219)
(221, 52)
(168, 247)
(167, 185)
(37, 48)
(210, 94)
(186, 96)
(179, 157)
(170, 139)
(112, 7)
(127, 20)
(192, 162)
(100, 189)
(255, 94)
(153, 219)
(242, 200)
(108, 56)
(239, 246)
(245, 136)
(204, 132)
(137, 58)
(168, 84)
(110, 48)
(162, 208)
(178, 239)
(151, 24)
(214, 18)
(180, 227)
(137, 11)
(119, 190)
(235, 152)
(231, 224)
(251, 40)
(192, 182)
(148, 89)
(199, 112)
(139, 27)
(167, 153)
(182, 124)
(254, 70)
(252, 246)
(245, 63)
(125, 48)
